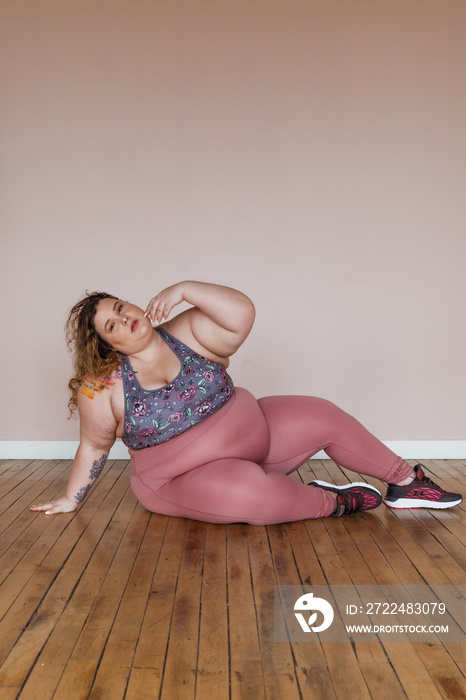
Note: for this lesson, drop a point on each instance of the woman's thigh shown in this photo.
(235, 490)
(299, 426)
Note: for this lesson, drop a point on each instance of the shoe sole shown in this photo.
(332, 487)
(406, 503)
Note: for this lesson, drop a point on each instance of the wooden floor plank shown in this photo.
(68, 669)
(246, 668)
(115, 665)
(277, 658)
(26, 527)
(213, 675)
(146, 674)
(411, 534)
(382, 573)
(347, 663)
(35, 613)
(10, 470)
(180, 670)
(312, 667)
(114, 602)
(25, 491)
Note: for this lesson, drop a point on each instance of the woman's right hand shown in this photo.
(160, 306)
(60, 505)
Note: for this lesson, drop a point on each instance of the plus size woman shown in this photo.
(200, 447)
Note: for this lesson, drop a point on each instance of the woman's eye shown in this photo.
(112, 325)
(120, 308)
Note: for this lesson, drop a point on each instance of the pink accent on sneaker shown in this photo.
(420, 493)
(352, 498)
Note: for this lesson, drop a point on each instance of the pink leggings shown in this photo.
(232, 466)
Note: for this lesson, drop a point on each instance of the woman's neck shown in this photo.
(150, 352)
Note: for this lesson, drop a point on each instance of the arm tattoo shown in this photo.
(82, 493)
(96, 468)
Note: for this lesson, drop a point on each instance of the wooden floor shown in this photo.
(115, 602)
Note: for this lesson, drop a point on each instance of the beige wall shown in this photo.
(309, 153)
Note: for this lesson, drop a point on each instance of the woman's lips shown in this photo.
(134, 325)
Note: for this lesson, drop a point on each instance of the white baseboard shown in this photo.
(50, 449)
(61, 449)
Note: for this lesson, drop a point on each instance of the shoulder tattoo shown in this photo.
(91, 386)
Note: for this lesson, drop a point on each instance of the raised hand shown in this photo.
(160, 306)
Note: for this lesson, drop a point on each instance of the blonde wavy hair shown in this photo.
(92, 356)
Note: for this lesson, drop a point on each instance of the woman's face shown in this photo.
(122, 325)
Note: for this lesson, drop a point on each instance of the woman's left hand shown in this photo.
(160, 306)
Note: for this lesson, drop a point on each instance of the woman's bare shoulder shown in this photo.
(95, 399)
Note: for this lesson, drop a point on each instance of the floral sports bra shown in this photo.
(151, 417)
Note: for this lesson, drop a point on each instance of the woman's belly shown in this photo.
(237, 430)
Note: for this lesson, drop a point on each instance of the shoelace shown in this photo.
(425, 481)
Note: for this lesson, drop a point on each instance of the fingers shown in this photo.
(158, 309)
(160, 306)
(41, 506)
(151, 310)
(53, 507)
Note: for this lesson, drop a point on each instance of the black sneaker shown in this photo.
(352, 498)
(420, 493)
